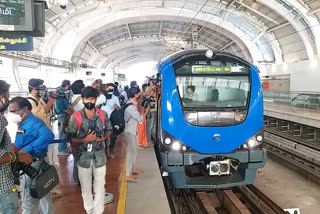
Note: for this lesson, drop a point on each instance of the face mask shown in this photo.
(89, 106)
(5, 104)
(14, 118)
(109, 94)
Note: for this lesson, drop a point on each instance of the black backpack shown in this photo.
(117, 120)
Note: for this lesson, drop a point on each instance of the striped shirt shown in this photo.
(6, 176)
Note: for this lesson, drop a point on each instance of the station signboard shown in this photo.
(16, 43)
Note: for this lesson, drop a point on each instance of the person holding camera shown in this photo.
(152, 116)
(87, 130)
(61, 108)
(9, 201)
(142, 132)
(111, 104)
(33, 137)
(132, 118)
(40, 108)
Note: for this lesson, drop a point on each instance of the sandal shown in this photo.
(137, 172)
(131, 178)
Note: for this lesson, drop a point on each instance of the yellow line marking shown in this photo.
(123, 191)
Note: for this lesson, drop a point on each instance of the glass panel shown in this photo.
(213, 91)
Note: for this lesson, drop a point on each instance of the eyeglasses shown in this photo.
(15, 111)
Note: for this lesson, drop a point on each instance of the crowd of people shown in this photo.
(89, 120)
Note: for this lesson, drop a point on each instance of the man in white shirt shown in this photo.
(112, 103)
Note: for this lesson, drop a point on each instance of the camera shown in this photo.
(94, 128)
(19, 169)
(146, 102)
(56, 93)
(155, 80)
(63, 4)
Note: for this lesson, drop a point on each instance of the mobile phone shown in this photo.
(89, 147)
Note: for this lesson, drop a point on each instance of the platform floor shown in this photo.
(288, 188)
(145, 196)
(71, 202)
(294, 114)
(148, 194)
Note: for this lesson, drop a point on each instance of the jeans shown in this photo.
(96, 205)
(133, 146)
(62, 146)
(9, 203)
(151, 125)
(29, 204)
(113, 140)
(75, 170)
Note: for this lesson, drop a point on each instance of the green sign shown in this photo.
(201, 69)
(12, 12)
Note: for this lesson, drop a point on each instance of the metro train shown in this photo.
(210, 120)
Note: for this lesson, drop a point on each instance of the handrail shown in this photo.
(303, 100)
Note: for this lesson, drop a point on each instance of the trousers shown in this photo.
(133, 147)
(151, 125)
(9, 203)
(93, 205)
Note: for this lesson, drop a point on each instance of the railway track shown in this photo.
(240, 200)
(294, 149)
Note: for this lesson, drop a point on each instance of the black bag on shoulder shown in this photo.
(44, 182)
(117, 120)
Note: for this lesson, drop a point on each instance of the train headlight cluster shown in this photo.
(172, 143)
(254, 142)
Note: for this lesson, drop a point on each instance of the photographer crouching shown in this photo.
(33, 137)
(8, 194)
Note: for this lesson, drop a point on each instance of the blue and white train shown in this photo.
(210, 120)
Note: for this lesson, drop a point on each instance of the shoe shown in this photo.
(137, 172)
(131, 178)
(64, 153)
(141, 147)
(76, 183)
(112, 155)
(108, 198)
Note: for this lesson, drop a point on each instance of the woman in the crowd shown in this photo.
(132, 117)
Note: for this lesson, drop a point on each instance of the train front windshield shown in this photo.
(213, 84)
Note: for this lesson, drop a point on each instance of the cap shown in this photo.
(34, 83)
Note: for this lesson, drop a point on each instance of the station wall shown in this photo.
(18, 72)
(304, 75)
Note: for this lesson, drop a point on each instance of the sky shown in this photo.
(139, 71)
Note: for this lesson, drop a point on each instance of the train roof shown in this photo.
(177, 56)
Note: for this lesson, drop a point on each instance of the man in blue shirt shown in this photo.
(34, 141)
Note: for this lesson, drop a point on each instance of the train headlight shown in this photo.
(210, 54)
(176, 146)
(167, 140)
(252, 143)
(259, 138)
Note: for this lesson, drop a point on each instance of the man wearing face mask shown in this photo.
(88, 129)
(111, 104)
(34, 141)
(8, 194)
(39, 108)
